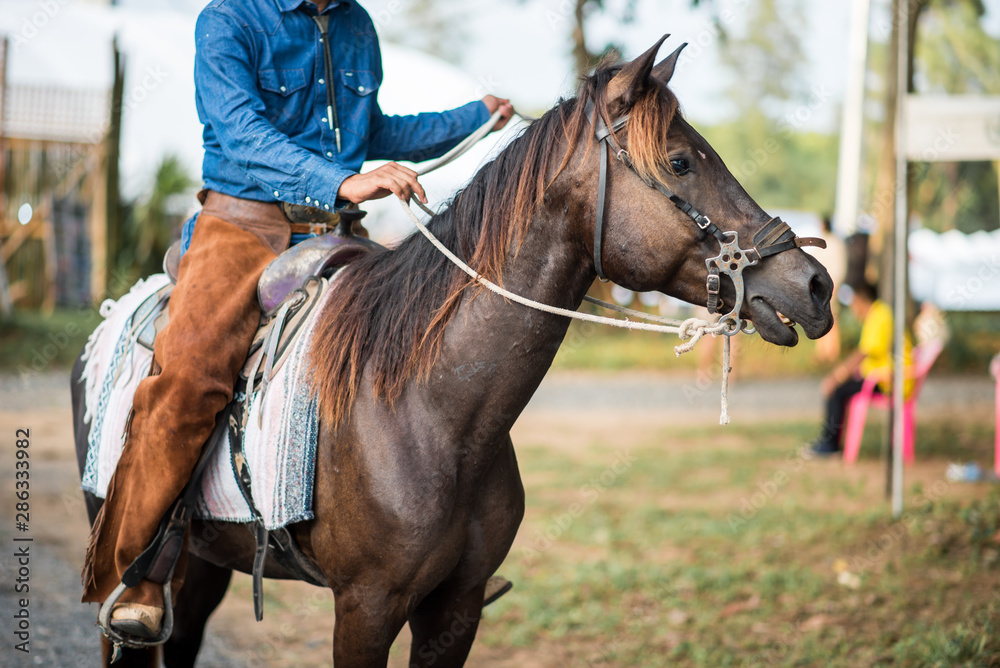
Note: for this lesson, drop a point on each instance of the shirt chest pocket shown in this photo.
(359, 99)
(282, 82)
(283, 92)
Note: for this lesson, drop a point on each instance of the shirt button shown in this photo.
(282, 89)
(322, 81)
(323, 119)
(326, 206)
(329, 154)
(361, 89)
(275, 193)
(308, 199)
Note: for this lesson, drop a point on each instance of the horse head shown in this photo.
(671, 201)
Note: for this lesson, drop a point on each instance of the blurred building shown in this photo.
(55, 164)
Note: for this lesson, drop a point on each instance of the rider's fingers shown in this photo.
(418, 189)
(409, 177)
(401, 189)
(402, 169)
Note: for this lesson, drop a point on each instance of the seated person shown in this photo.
(873, 355)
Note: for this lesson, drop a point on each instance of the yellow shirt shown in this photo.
(876, 344)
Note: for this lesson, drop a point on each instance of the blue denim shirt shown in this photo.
(261, 94)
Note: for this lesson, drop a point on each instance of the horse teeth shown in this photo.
(785, 319)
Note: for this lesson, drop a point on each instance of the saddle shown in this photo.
(287, 291)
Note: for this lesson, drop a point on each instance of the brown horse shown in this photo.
(421, 374)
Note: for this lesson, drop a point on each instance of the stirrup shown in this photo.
(496, 587)
(119, 640)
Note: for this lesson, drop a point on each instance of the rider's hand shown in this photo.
(390, 178)
(493, 103)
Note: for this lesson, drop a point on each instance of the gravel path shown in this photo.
(684, 395)
(692, 398)
(62, 630)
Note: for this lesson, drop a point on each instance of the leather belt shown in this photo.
(241, 211)
(272, 221)
(262, 219)
(310, 228)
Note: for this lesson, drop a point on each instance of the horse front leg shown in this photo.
(204, 587)
(367, 623)
(444, 626)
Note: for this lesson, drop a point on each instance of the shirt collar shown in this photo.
(291, 5)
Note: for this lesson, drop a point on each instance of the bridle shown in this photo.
(773, 238)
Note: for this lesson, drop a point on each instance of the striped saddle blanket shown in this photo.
(279, 440)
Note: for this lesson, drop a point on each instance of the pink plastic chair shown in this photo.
(995, 370)
(857, 412)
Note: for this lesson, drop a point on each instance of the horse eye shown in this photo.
(680, 166)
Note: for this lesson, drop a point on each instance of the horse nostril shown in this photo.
(821, 290)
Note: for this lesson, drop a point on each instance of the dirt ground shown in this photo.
(559, 418)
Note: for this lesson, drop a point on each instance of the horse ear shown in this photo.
(631, 79)
(665, 68)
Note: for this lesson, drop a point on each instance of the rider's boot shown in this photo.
(139, 611)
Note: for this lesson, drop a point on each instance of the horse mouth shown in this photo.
(774, 326)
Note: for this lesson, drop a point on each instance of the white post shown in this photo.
(899, 263)
(849, 161)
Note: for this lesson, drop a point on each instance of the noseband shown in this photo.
(773, 238)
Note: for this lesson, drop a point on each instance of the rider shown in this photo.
(288, 94)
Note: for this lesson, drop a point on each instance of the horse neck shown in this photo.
(495, 352)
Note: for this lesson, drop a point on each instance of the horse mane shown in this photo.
(390, 308)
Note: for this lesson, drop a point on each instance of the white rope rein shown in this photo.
(690, 331)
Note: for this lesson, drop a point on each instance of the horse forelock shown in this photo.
(390, 309)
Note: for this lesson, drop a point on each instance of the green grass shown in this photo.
(709, 553)
(31, 342)
(590, 347)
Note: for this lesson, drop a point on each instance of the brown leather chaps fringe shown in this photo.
(213, 316)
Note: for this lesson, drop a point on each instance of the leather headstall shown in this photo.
(773, 238)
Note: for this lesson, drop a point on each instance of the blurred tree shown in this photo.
(767, 57)
(153, 222)
(948, 52)
(432, 26)
(767, 146)
(584, 57)
(954, 55)
(780, 167)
